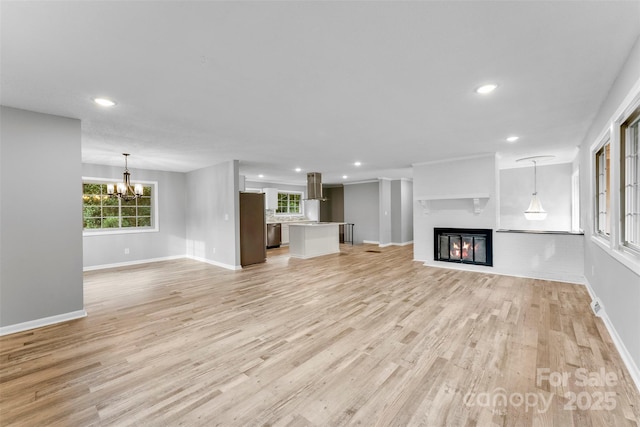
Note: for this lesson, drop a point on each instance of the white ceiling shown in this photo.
(316, 85)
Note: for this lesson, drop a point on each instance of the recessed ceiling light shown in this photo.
(488, 88)
(513, 138)
(260, 176)
(357, 164)
(344, 177)
(104, 102)
(298, 170)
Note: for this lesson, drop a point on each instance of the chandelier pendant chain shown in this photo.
(123, 190)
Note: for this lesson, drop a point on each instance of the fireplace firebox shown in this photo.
(463, 245)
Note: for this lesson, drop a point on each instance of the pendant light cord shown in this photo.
(535, 178)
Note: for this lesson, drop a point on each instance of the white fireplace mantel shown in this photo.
(476, 198)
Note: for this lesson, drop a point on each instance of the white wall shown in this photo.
(279, 186)
(543, 256)
(361, 207)
(168, 241)
(40, 219)
(212, 215)
(554, 192)
(617, 285)
(446, 179)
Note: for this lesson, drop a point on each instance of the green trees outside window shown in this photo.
(289, 203)
(100, 211)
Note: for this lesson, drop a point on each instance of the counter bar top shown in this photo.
(315, 224)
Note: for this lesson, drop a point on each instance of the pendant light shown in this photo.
(123, 190)
(535, 211)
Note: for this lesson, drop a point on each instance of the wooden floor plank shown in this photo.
(356, 338)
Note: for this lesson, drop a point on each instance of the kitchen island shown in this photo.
(308, 240)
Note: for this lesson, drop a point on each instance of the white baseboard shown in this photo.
(216, 263)
(39, 323)
(633, 369)
(384, 245)
(128, 263)
(167, 258)
(540, 275)
(402, 244)
(313, 256)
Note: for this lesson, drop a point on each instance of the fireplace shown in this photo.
(463, 245)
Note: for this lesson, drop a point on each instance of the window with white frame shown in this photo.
(101, 212)
(603, 189)
(289, 203)
(629, 180)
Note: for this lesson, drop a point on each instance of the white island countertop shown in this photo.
(308, 240)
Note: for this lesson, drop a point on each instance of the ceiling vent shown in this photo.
(314, 186)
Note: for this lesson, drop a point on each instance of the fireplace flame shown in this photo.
(466, 246)
(455, 250)
(466, 252)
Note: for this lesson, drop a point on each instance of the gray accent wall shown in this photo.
(384, 189)
(361, 207)
(401, 211)
(213, 230)
(617, 286)
(332, 210)
(406, 200)
(168, 241)
(40, 216)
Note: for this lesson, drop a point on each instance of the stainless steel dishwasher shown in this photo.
(274, 235)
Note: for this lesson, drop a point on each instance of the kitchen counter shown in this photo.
(308, 240)
(293, 221)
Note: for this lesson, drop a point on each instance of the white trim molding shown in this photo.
(155, 212)
(128, 263)
(167, 258)
(361, 182)
(39, 323)
(410, 242)
(424, 201)
(625, 355)
(216, 263)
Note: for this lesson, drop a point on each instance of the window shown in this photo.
(603, 193)
(102, 212)
(289, 203)
(630, 179)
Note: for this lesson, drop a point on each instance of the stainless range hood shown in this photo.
(314, 186)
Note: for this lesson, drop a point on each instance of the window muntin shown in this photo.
(289, 203)
(100, 212)
(630, 180)
(603, 190)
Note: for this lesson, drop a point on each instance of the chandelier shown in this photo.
(123, 190)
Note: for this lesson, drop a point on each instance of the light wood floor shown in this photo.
(358, 338)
